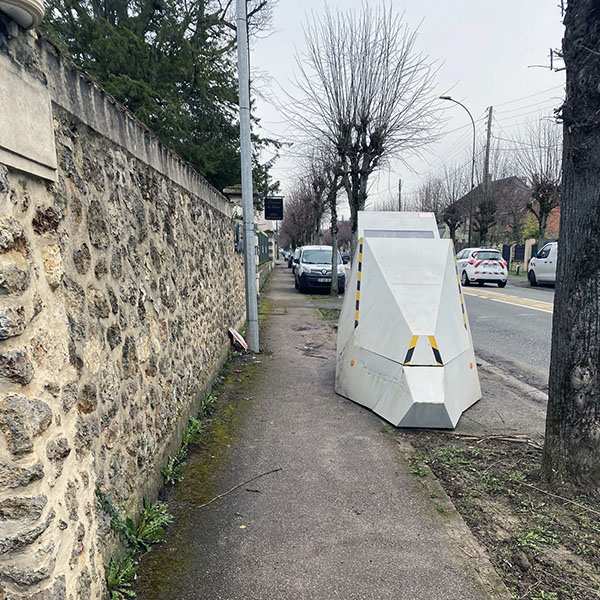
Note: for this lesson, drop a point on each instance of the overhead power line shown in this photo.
(549, 101)
(531, 95)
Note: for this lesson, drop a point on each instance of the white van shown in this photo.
(542, 267)
(313, 269)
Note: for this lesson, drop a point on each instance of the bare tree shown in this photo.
(429, 198)
(364, 89)
(332, 173)
(454, 185)
(295, 227)
(539, 160)
(572, 450)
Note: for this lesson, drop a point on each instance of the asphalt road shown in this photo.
(513, 335)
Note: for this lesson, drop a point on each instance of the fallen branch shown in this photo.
(239, 486)
(537, 489)
(519, 437)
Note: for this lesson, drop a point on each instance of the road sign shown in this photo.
(274, 208)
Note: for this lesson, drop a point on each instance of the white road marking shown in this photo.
(528, 303)
(524, 306)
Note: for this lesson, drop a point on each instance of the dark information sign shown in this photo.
(274, 208)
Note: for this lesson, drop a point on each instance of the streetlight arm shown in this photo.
(472, 161)
(473, 123)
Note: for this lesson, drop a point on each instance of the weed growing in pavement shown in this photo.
(149, 530)
(119, 575)
(151, 526)
(416, 466)
(117, 523)
(207, 406)
(173, 471)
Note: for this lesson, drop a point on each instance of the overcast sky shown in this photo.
(485, 49)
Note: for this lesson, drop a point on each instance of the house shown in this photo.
(504, 218)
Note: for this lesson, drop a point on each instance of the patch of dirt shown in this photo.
(329, 314)
(543, 546)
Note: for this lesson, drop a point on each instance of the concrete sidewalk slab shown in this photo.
(344, 518)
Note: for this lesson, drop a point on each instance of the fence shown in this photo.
(262, 247)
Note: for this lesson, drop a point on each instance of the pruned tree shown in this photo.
(454, 185)
(572, 448)
(333, 175)
(319, 186)
(364, 88)
(297, 227)
(539, 161)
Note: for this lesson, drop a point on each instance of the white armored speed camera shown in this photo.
(404, 346)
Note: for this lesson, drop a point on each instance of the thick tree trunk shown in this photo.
(572, 448)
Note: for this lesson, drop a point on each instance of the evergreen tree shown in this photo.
(172, 63)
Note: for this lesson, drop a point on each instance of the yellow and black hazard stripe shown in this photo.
(411, 349)
(436, 351)
(358, 280)
(460, 294)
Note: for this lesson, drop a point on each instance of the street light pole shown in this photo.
(247, 195)
(472, 161)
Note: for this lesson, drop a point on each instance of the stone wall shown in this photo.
(118, 282)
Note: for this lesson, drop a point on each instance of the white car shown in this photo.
(295, 256)
(481, 265)
(542, 267)
(313, 269)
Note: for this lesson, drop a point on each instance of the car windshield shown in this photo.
(318, 257)
(488, 255)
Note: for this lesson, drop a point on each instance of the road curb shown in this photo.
(479, 565)
(513, 382)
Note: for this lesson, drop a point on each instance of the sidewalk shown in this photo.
(344, 518)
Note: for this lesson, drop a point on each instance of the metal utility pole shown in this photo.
(486, 163)
(400, 194)
(247, 194)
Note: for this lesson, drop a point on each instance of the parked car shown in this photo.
(542, 267)
(481, 265)
(313, 269)
(292, 261)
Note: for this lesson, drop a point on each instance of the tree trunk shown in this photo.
(543, 223)
(572, 448)
(334, 244)
(452, 231)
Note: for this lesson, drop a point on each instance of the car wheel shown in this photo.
(464, 279)
(296, 283)
(502, 284)
(532, 280)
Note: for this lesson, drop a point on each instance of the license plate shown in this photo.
(324, 280)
